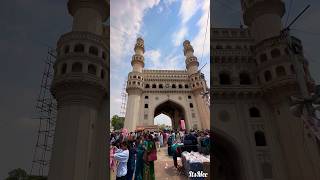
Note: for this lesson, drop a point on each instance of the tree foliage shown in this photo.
(20, 174)
(117, 122)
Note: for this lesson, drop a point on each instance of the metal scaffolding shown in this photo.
(123, 100)
(46, 110)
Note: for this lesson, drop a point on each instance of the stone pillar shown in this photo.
(203, 110)
(132, 111)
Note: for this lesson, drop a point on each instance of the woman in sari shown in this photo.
(148, 169)
(138, 175)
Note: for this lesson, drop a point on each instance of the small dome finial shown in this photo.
(187, 47)
(139, 45)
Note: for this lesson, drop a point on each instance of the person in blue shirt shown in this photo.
(122, 156)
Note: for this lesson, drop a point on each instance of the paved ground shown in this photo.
(164, 168)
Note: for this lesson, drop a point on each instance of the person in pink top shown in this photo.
(112, 160)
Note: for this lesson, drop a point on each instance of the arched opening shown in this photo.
(64, 68)
(281, 71)
(244, 78)
(263, 58)
(227, 160)
(163, 121)
(254, 112)
(267, 76)
(173, 110)
(260, 138)
(93, 50)
(224, 78)
(92, 69)
(275, 53)
(76, 67)
(79, 48)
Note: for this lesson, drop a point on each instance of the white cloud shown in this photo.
(188, 8)
(201, 42)
(169, 2)
(153, 56)
(178, 37)
(126, 20)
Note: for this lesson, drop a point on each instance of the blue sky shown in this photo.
(164, 25)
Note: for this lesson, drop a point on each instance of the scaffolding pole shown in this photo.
(46, 110)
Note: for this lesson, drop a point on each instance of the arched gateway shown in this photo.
(175, 93)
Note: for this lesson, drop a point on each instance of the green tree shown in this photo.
(17, 174)
(20, 174)
(117, 122)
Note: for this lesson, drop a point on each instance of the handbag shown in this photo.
(152, 156)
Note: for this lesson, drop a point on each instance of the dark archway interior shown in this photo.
(173, 110)
(226, 160)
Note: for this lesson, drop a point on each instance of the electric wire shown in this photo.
(205, 36)
(288, 16)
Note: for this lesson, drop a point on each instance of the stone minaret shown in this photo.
(275, 72)
(198, 85)
(263, 17)
(135, 86)
(80, 87)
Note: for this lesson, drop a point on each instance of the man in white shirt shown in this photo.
(122, 156)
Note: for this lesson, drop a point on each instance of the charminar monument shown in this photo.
(178, 94)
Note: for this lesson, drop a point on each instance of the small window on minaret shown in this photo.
(224, 79)
(146, 97)
(146, 106)
(94, 50)
(292, 69)
(102, 74)
(92, 69)
(245, 78)
(254, 112)
(275, 53)
(189, 97)
(267, 76)
(76, 67)
(281, 71)
(180, 86)
(173, 86)
(147, 86)
(186, 86)
(66, 49)
(160, 86)
(260, 138)
(154, 86)
(263, 58)
(104, 55)
(64, 68)
(191, 105)
(79, 48)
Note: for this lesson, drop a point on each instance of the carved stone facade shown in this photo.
(256, 136)
(176, 93)
(81, 88)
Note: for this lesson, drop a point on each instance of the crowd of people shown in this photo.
(132, 155)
